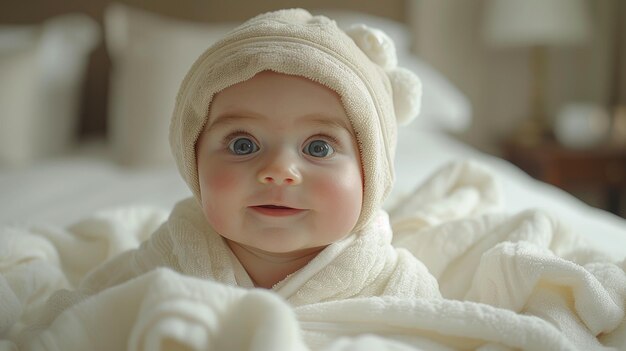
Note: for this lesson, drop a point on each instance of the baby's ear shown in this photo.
(406, 86)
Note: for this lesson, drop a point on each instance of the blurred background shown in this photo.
(544, 82)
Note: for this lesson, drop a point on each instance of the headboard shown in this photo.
(94, 100)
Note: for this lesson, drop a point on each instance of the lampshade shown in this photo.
(536, 22)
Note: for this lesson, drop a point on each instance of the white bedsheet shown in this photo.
(63, 190)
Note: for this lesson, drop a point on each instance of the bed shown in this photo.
(132, 166)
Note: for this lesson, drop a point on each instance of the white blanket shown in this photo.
(459, 275)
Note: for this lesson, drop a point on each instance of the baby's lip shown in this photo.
(275, 210)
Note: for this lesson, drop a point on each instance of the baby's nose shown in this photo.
(281, 169)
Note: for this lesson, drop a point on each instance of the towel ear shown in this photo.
(377, 45)
(406, 86)
(407, 94)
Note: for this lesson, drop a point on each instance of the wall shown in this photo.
(448, 35)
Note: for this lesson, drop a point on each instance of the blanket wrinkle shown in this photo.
(255, 316)
(30, 270)
(456, 279)
(520, 267)
(612, 278)
(100, 237)
(30, 294)
(457, 190)
(456, 324)
(438, 246)
(165, 310)
(552, 304)
(479, 279)
(452, 250)
(10, 307)
(37, 260)
(20, 246)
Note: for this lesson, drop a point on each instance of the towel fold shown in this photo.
(36, 261)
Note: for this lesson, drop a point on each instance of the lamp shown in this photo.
(537, 24)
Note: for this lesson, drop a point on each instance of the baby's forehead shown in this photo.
(291, 98)
(267, 83)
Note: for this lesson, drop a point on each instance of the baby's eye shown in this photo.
(242, 146)
(318, 148)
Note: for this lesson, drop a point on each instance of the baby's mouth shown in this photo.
(276, 210)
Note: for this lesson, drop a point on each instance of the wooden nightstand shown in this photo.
(602, 169)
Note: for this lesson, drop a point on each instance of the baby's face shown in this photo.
(278, 165)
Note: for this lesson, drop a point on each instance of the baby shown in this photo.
(296, 150)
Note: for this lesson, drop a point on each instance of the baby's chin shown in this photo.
(276, 251)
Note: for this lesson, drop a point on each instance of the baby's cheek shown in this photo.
(218, 190)
(222, 181)
(343, 198)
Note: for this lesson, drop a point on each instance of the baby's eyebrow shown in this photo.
(326, 121)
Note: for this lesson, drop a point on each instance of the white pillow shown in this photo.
(42, 69)
(151, 55)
